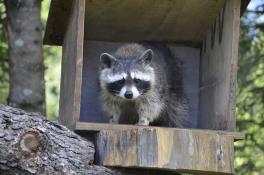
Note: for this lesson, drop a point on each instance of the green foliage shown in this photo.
(4, 85)
(52, 62)
(250, 98)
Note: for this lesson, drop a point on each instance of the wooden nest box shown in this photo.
(203, 33)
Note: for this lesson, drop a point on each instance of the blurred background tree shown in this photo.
(25, 58)
(4, 68)
(52, 60)
(250, 94)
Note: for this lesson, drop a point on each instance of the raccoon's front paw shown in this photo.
(143, 122)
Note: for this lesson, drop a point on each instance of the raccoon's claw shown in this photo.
(143, 122)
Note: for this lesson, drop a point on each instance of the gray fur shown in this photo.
(165, 104)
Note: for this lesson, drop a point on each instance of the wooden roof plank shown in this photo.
(134, 20)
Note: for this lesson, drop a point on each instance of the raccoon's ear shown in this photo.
(107, 60)
(146, 57)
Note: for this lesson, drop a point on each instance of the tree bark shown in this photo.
(27, 87)
(30, 144)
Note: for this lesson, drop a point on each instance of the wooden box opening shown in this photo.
(204, 38)
(202, 33)
(90, 110)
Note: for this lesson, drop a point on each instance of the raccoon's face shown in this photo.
(129, 77)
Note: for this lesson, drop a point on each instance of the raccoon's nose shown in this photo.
(129, 94)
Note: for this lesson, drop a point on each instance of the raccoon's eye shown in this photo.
(121, 81)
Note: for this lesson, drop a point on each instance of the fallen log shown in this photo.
(31, 144)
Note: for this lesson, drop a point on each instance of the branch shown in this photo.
(30, 144)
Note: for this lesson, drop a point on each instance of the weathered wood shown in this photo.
(150, 20)
(30, 144)
(178, 150)
(244, 4)
(71, 74)
(162, 21)
(173, 149)
(57, 23)
(218, 71)
(96, 127)
(217, 74)
(137, 171)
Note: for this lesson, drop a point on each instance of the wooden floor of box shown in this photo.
(174, 149)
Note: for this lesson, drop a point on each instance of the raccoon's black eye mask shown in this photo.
(115, 87)
(142, 85)
(120, 82)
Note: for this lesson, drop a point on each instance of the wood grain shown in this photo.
(156, 20)
(57, 23)
(178, 150)
(96, 127)
(71, 74)
(218, 71)
(31, 144)
(135, 20)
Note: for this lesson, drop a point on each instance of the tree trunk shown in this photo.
(27, 86)
(30, 144)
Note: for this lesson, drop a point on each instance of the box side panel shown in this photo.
(71, 75)
(187, 151)
(218, 71)
(90, 105)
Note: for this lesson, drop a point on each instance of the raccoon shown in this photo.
(142, 84)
